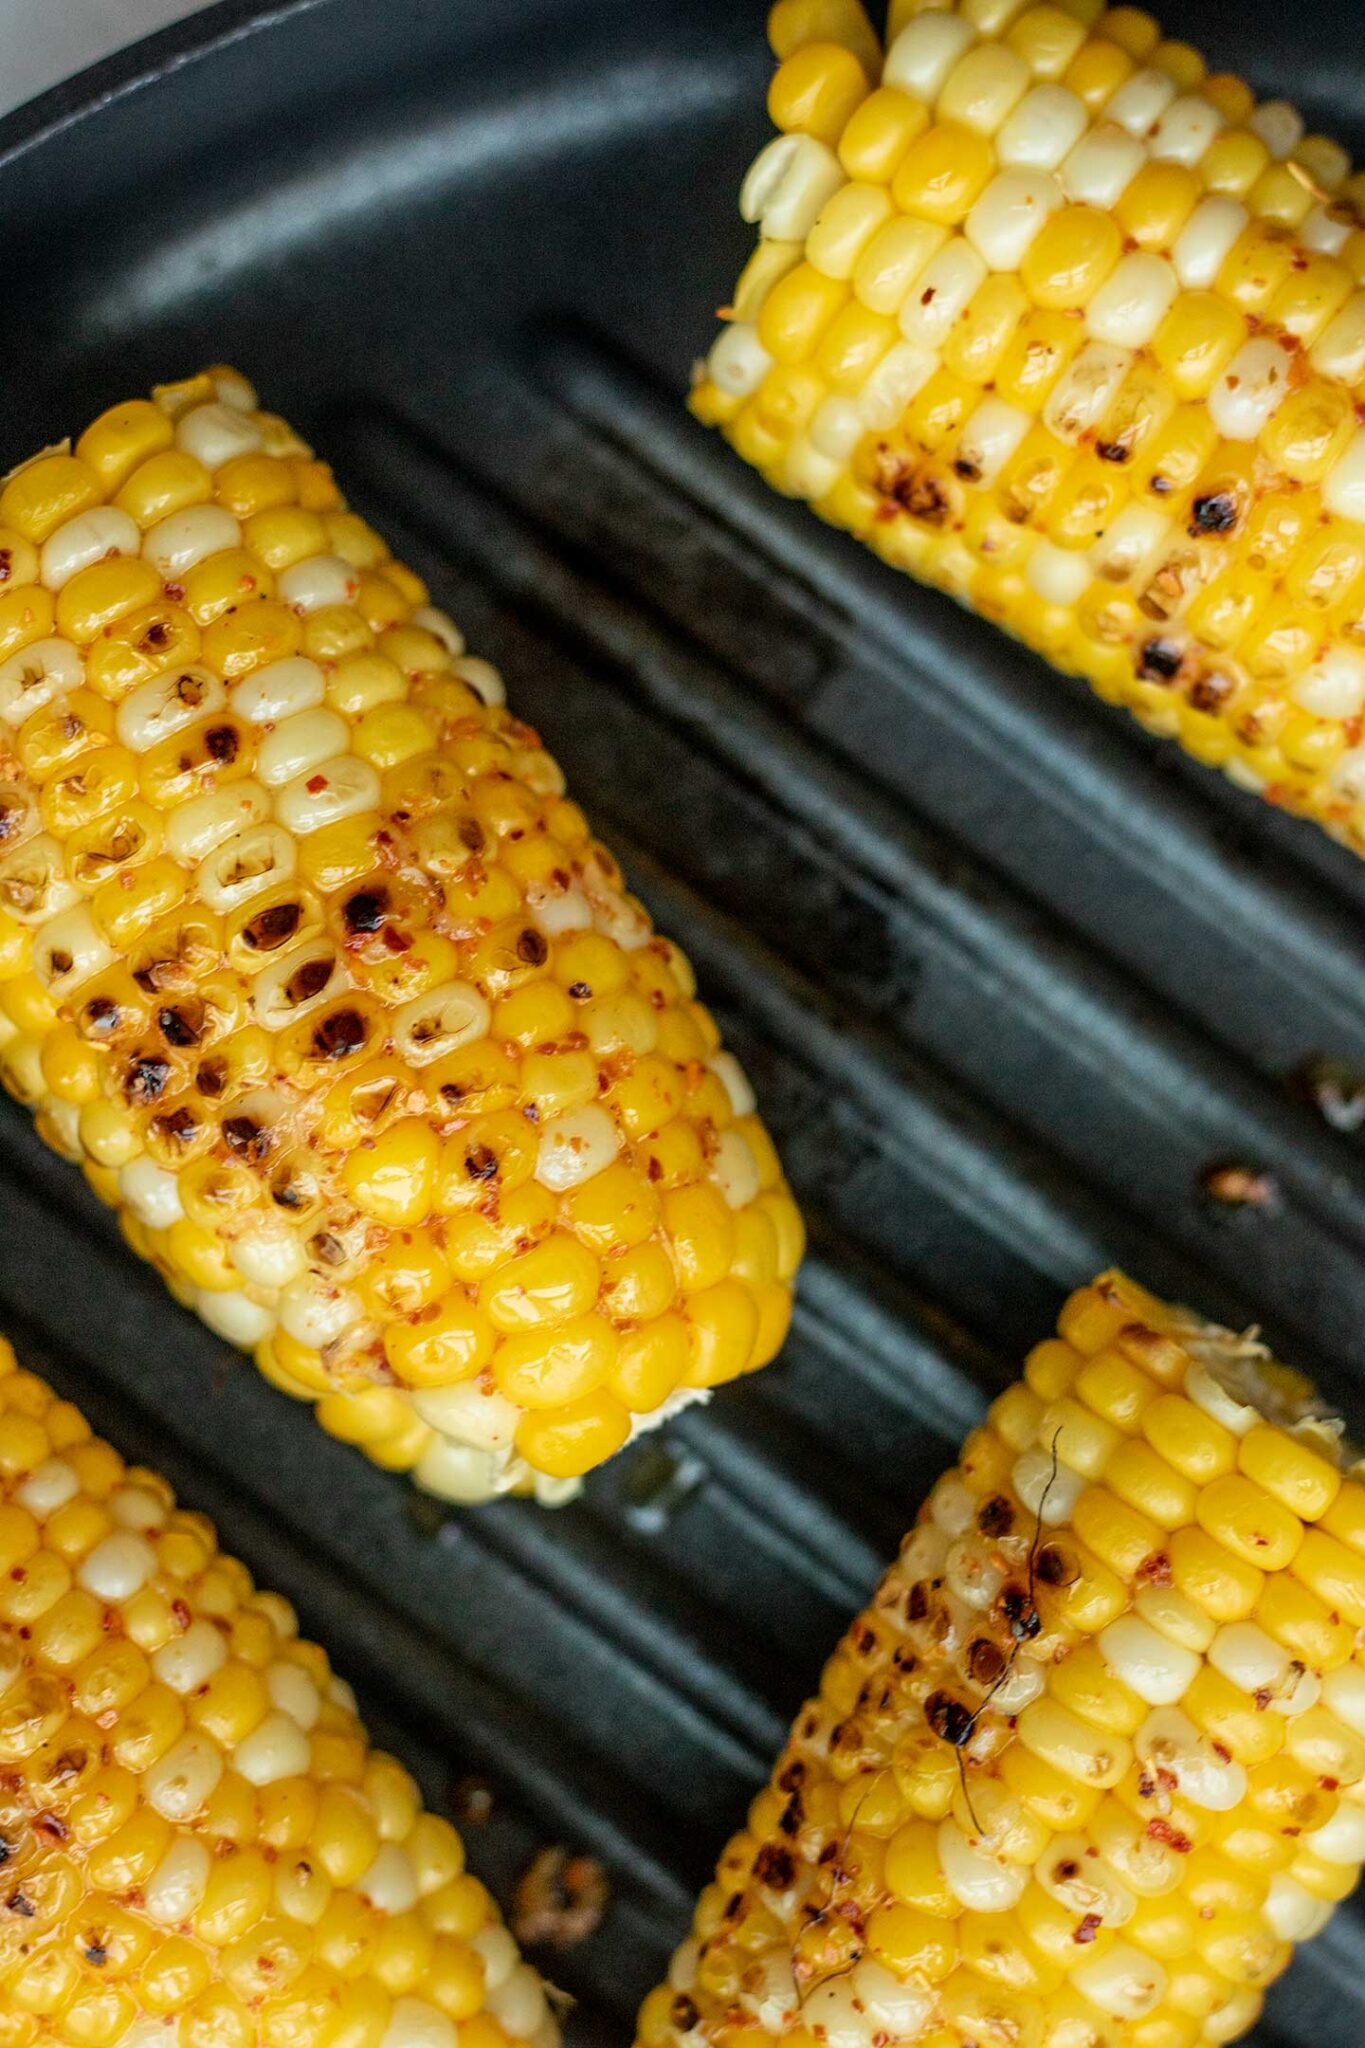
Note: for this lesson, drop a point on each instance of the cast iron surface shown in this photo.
(1010, 978)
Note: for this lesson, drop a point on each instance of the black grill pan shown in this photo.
(1010, 977)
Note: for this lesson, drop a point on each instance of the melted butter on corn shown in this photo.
(1055, 319)
(200, 1846)
(308, 960)
(1093, 1759)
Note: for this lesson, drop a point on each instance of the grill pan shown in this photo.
(1011, 978)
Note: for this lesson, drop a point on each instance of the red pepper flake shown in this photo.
(1162, 1831)
(1088, 1929)
(315, 784)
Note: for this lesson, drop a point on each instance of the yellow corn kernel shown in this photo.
(1247, 1522)
(568, 1441)
(1290, 1472)
(943, 174)
(44, 494)
(878, 134)
(816, 90)
(115, 444)
(168, 482)
(1070, 257)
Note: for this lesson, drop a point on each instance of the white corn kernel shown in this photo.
(118, 1567)
(1327, 229)
(555, 911)
(1058, 575)
(953, 1506)
(788, 185)
(415, 2024)
(990, 437)
(276, 1748)
(31, 679)
(979, 1882)
(318, 581)
(1047, 123)
(242, 866)
(315, 1312)
(1122, 1982)
(941, 293)
(1292, 1913)
(33, 883)
(1148, 1663)
(1279, 126)
(300, 744)
(234, 1316)
(1169, 1739)
(1101, 167)
(294, 1693)
(897, 2009)
(89, 538)
(1186, 129)
(1009, 214)
(151, 1193)
(1344, 489)
(195, 828)
(440, 1022)
(735, 1082)
(336, 789)
(734, 1169)
(1201, 247)
(903, 371)
(1131, 545)
(1132, 303)
(178, 544)
(442, 627)
(738, 361)
(188, 1661)
(182, 1782)
(234, 390)
(1140, 102)
(175, 1889)
(390, 1883)
(69, 950)
(576, 1146)
(215, 434)
(806, 472)
(1085, 390)
(925, 52)
(166, 705)
(280, 690)
(462, 1473)
(268, 1257)
(468, 1415)
(1069, 1872)
(1251, 389)
(836, 427)
(1207, 1391)
(49, 1487)
(1343, 1694)
(1341, 1839)
(482, 678)
(1334, 687)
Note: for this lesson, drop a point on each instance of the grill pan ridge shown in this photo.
(1010, 978)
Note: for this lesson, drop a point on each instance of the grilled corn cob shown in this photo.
(308, 960)
(1056, 320)
(198, 1843)
(1093, 1759)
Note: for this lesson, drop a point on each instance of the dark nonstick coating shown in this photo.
(1010, 977)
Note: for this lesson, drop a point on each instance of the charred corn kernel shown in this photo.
(1048, 1828)
(1057, 139)
(210, 1866)
(307, 958)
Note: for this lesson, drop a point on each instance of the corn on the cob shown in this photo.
(1056, 320)
(198, 1844)
(1093, 1759)
(308, 960)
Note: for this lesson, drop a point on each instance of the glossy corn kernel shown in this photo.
(1081, 1774)
(307, 957)
(1102, 280)
(199, 1842)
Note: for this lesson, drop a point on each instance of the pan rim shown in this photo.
(137, 66)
